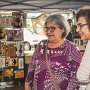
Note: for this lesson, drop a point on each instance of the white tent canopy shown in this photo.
(42, 5)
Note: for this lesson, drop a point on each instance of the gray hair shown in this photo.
(60, 22)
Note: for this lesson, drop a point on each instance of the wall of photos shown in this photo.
(11, 48)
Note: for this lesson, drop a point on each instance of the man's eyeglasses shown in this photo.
(81, 25)
(51, 29)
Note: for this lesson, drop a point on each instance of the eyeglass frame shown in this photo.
(81, 25)
(51, 29)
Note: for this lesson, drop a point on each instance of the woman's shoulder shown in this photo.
(43, 42)
(72, 45)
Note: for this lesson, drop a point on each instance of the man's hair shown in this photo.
(84, 13)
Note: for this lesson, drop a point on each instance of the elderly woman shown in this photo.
(83, 28)
(55, 61)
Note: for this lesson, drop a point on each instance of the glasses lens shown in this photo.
(51, 29)
(46, 29)
(78, 26)
(81, 25)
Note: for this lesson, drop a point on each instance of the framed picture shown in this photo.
(80, 44)
(11, 49)
(20, 48)
(8, 72)
(76, 41)
(2, 49)
(12, 61)
(14, 35)
(8, 22)
(19, 74)
(1, 20)
(17, 19)
(2, 62)
(2, 33)
(21, 63)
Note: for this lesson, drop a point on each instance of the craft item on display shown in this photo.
(18, 35)
(10, 35)
(17, 22)
(8, 72)
(1, 21)
(2, 33)
(12, 61)
(8, 22)
(20, 48)
(27, 46)
(76, 41)
(19, 74)
(2, 62)
(17, 19)
(80, 43)
(14, 35)
(21, 63)
(2, 49)
(11, 50)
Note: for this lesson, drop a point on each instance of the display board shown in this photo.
(11, 48)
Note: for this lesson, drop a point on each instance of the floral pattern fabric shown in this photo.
(64, 62)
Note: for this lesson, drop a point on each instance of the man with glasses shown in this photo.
(83, 28)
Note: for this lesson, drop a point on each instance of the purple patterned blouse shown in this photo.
(64, 62)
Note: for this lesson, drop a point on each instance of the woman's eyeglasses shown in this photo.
(81, 25)
(51, 29)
